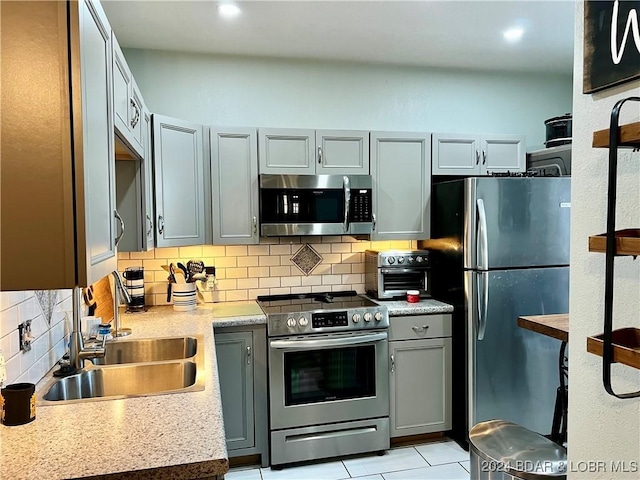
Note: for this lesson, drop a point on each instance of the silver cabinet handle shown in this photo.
(248, 355)
(160, 224)
(255, 225)
(393, 363)
(347, 202)
(150, 231)
(421, 329)
(477, 157)
(119, 237)
(319, 154)
(484, 157)
(373, 222)
(136, 117)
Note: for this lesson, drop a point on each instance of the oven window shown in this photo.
(331, 374)
(404, 281)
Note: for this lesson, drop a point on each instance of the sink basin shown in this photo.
(148, 350)
(134, 368)
(129, 380)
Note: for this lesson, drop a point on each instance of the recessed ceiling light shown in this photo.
(228, 10)
(513, 34)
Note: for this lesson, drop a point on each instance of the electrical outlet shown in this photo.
(24, 332)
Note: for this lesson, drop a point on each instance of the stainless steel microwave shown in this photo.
(315, 205)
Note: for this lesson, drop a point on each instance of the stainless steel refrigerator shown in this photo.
(501, 250)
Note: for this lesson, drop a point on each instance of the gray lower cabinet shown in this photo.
(400, 167)
(234, 179)
(242, 372)
(420, 374)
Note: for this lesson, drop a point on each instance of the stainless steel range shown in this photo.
(328, 375)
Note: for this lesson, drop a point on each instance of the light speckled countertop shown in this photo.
(426, 306)
(178, 435)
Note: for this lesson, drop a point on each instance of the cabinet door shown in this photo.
(179, 182)
(342, 152)
(147, 182)
(235, 372)
(420, 386)
(502, 153)
(97, 144)
(456, 154)
(123, 100)
(136, 124)
(287, 151)
(400, 167)
(234, 175)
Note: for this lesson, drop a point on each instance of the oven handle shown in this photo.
(328, 342)
(403, 270)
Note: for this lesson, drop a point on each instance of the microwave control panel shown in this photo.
(360, 208)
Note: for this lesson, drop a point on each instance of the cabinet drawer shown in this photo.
(419, 326)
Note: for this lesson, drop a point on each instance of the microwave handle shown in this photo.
(347, 202)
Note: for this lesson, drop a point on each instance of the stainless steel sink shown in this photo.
(148, 350)
(134, 368)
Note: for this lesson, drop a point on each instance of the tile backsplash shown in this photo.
(245, 271)
(47, 312)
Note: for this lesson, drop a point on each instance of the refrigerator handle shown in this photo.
(482, 242)
(483, 302)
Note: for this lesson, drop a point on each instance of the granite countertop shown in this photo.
(178, 435)
(426, 306)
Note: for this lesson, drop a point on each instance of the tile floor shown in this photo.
(441, 460)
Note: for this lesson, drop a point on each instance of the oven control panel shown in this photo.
(329, 319)
(296, 323)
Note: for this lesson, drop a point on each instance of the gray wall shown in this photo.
(236, 91)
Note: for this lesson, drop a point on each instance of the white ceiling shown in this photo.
(444, 33)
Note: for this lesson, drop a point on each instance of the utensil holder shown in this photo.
(184, 296)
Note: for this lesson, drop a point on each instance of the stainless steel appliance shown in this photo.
(315, 205)
(328, 375)
(389, 274)
(550, 162)
(558, 130)
(501, 250)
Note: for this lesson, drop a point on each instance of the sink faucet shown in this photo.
(77, 352)
(120, 291)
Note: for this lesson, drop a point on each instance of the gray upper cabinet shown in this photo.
(234, 178)
(179, 182)
(400, 167)
(134, 193)
(342, 152)
(147, 209)
(287, 151)
(127, 102)
(460, 154)
(310, 152)
(58, 174)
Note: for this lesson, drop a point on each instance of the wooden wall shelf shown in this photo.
(629, 136)
(627, 242)
(625, 344)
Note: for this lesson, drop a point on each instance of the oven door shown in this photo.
(320, 379)
(394, 282)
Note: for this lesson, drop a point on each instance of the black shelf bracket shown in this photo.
(607, 350)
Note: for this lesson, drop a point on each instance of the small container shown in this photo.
(413, 296)
(104, 331)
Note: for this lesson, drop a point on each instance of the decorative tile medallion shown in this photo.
(306, 259)
(47, 300)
